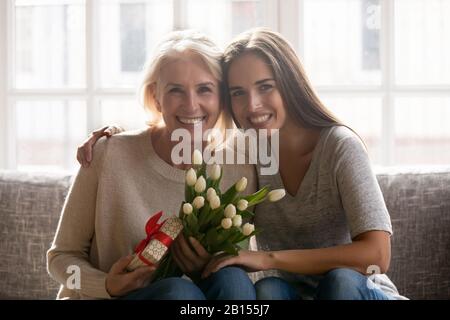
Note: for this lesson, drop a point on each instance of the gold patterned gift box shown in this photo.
(159, 237)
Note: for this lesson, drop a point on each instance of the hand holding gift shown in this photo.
(120, 282)
(159, 237)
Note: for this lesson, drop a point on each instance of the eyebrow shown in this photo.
(257, 82)
(208, 83)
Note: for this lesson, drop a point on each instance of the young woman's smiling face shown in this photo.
(255, 99)
(189, 94)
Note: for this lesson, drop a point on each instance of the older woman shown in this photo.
(132, 176)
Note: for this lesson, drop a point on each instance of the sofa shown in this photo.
(418, 201)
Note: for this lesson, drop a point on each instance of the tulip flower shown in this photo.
(200, 185)
(247, 229)
(242, 205)
(215, 172)
(230, 211)
(187, 208)
(198, 202)
(237, 220)
(226, 223)
(241, 184)
(276, 195)
(214, 202)
(191, 177)
(197, 158)
(210, 193)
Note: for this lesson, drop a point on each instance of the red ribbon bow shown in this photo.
(152, 230)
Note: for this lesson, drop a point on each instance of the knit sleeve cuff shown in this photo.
(94, 285)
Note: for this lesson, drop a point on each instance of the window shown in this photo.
(382, 67)
(126, 33)
(70, 66)
(76, 66)
(49, 49)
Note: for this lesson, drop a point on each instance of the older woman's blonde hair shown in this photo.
(176, 42)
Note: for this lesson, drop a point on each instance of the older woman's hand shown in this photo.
(190, 258)
(84, 151)
(119, 282)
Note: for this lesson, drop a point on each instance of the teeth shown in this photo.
(260, 119)
(190, 120)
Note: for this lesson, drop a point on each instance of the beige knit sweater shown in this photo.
(105, 212)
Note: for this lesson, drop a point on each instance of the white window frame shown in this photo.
(285, 16)
(92, 94)
(388, 90)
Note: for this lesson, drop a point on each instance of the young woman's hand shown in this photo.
(84, 152)
(251, 261)
(120, 282)
(190, 258)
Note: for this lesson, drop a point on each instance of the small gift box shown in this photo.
(159, 237)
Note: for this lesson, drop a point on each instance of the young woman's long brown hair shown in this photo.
(298, 96)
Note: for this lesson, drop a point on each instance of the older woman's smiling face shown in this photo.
(188, 94)
(255, 99)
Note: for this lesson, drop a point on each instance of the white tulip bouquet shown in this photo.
(214, 218)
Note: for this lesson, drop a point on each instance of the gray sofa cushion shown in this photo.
(418, 202)
(30, 205)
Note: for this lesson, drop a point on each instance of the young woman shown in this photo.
(333, 229)
(132, 177)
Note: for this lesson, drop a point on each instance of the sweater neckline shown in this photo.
(159, 165)
(312, 167)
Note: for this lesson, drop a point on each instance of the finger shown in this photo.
(209, 266)
(80, 155)
(114, 130)
(121, 264)
(178, 260)
(187, 265)
(142, 273)
(198, 248)
(99, 131)
(87, 152)
(88, 146)
(207, 270)
(109, 132)
(216, 265)
(186, 250)
(137, 278)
